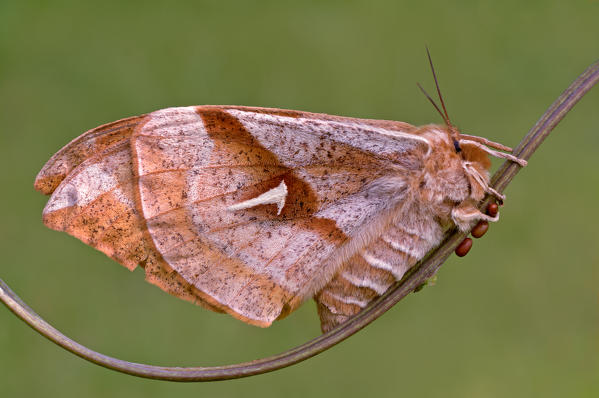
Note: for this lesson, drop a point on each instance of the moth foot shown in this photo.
(464, 247)
(464, 216)
(478, 231)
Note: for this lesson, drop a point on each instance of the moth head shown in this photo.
(473, 150)
(449, 174)
(459, 163)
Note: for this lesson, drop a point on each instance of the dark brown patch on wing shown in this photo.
(227, 133)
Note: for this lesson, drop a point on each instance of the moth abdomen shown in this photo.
(369, 273)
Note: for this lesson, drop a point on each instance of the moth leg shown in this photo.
(483, 226)
(467, 214)
(478, 231)
(464, 247)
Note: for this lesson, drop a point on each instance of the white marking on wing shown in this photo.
(310, 131)
(276, 196)
(183, 140)
(93, 181)
(349, 300)
(359, 282)
(124, 199)
(174, 122)
(378, 263)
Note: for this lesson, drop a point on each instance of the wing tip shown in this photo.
(46, 183)
(81, 148)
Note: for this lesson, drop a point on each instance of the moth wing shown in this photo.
(197, 168)
(96, 202)
(81, 148)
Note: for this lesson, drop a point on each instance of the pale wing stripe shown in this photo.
(359, 282)
(380, 264)
(349, 300)
(174, 122)
(379, 141)
(124, 199)
(84, 187)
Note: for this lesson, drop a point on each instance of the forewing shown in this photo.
(97, 203)
(194, 163)
(88, 144)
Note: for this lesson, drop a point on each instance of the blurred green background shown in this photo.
(517, 317)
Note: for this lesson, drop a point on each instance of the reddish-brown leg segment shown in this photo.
(478, 231)
(464, 247)
(492, 209)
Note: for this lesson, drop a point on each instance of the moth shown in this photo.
(251, 211)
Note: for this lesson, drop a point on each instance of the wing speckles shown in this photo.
(85, 187)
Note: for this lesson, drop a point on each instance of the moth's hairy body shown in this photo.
(251, 211)
(424, 212)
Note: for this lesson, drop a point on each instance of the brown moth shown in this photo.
(251, 211)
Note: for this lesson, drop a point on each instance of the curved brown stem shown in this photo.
(412, 280)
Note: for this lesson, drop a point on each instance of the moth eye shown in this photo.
(464, 247)
(456, 145)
